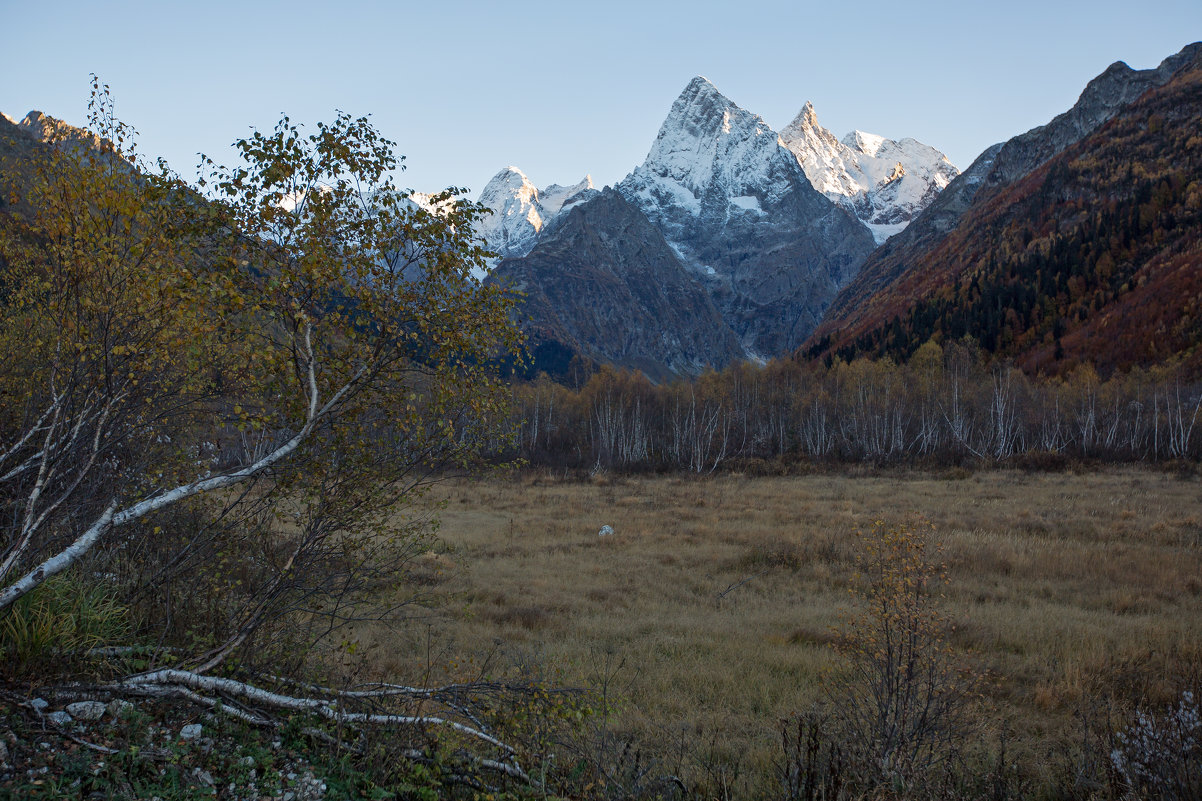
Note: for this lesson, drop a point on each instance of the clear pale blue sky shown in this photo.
(561, 89)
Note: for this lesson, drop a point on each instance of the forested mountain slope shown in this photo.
(1094, 256)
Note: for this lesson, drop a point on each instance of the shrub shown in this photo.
(813, 764)
(1161, 757)
(900, 704)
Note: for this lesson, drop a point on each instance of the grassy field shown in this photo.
(710, 611)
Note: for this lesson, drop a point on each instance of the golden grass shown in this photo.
(1063, 587)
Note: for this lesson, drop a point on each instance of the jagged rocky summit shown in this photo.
(518, 211)
(768, 227)
(739, 210)
(43, 128)
(884, 183)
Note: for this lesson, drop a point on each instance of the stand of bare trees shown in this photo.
(947, 405)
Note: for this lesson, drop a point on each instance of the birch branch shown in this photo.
(194, 681)
(60, 561)
(112, 519)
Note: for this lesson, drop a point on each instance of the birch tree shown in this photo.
(304, 339)
(227, 392)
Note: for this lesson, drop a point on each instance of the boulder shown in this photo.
(87, 710)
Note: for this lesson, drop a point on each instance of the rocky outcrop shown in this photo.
(884, 183)
(603, 282)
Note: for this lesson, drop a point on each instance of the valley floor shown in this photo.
(710, 612)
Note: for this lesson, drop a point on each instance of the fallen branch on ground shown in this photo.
(250, 704)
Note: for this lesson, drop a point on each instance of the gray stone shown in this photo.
(310, 788)
(190, 732)
(39, 704)
(606, 531)
(87, 710)
(59, 718)
(119, 707)
(3, 753)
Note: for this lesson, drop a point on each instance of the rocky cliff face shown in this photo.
(740, 214)
(884, 183)
(22, 144)
(737, 208)
(603, 281)
(43, 127)
(993, 170)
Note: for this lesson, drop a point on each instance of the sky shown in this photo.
(561, 89)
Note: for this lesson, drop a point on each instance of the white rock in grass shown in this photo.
(606, 531)
(190, 732)
(86, 710)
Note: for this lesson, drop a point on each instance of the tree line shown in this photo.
(948, 404)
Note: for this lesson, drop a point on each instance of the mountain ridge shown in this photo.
(606, 284)
(739, 210)
(997, 166)
(516, 210)
(884, 183)
(1094, 255)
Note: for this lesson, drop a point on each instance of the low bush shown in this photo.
(1160, 756)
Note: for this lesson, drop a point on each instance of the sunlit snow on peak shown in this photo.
(707, 143)
(517, 210)
(866, 143)
(883, 182)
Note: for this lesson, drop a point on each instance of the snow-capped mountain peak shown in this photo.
(866, 143)
(518, 211)
(514, 217)
(738, 210)
(807, 116)
(709, 156)
(829, 165)
(555, 198)
(883, 182)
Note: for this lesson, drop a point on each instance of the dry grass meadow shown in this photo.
(1066, 588)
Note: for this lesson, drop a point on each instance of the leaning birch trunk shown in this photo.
(110, 518)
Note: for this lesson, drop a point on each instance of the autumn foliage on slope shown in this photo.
(1092, 258)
